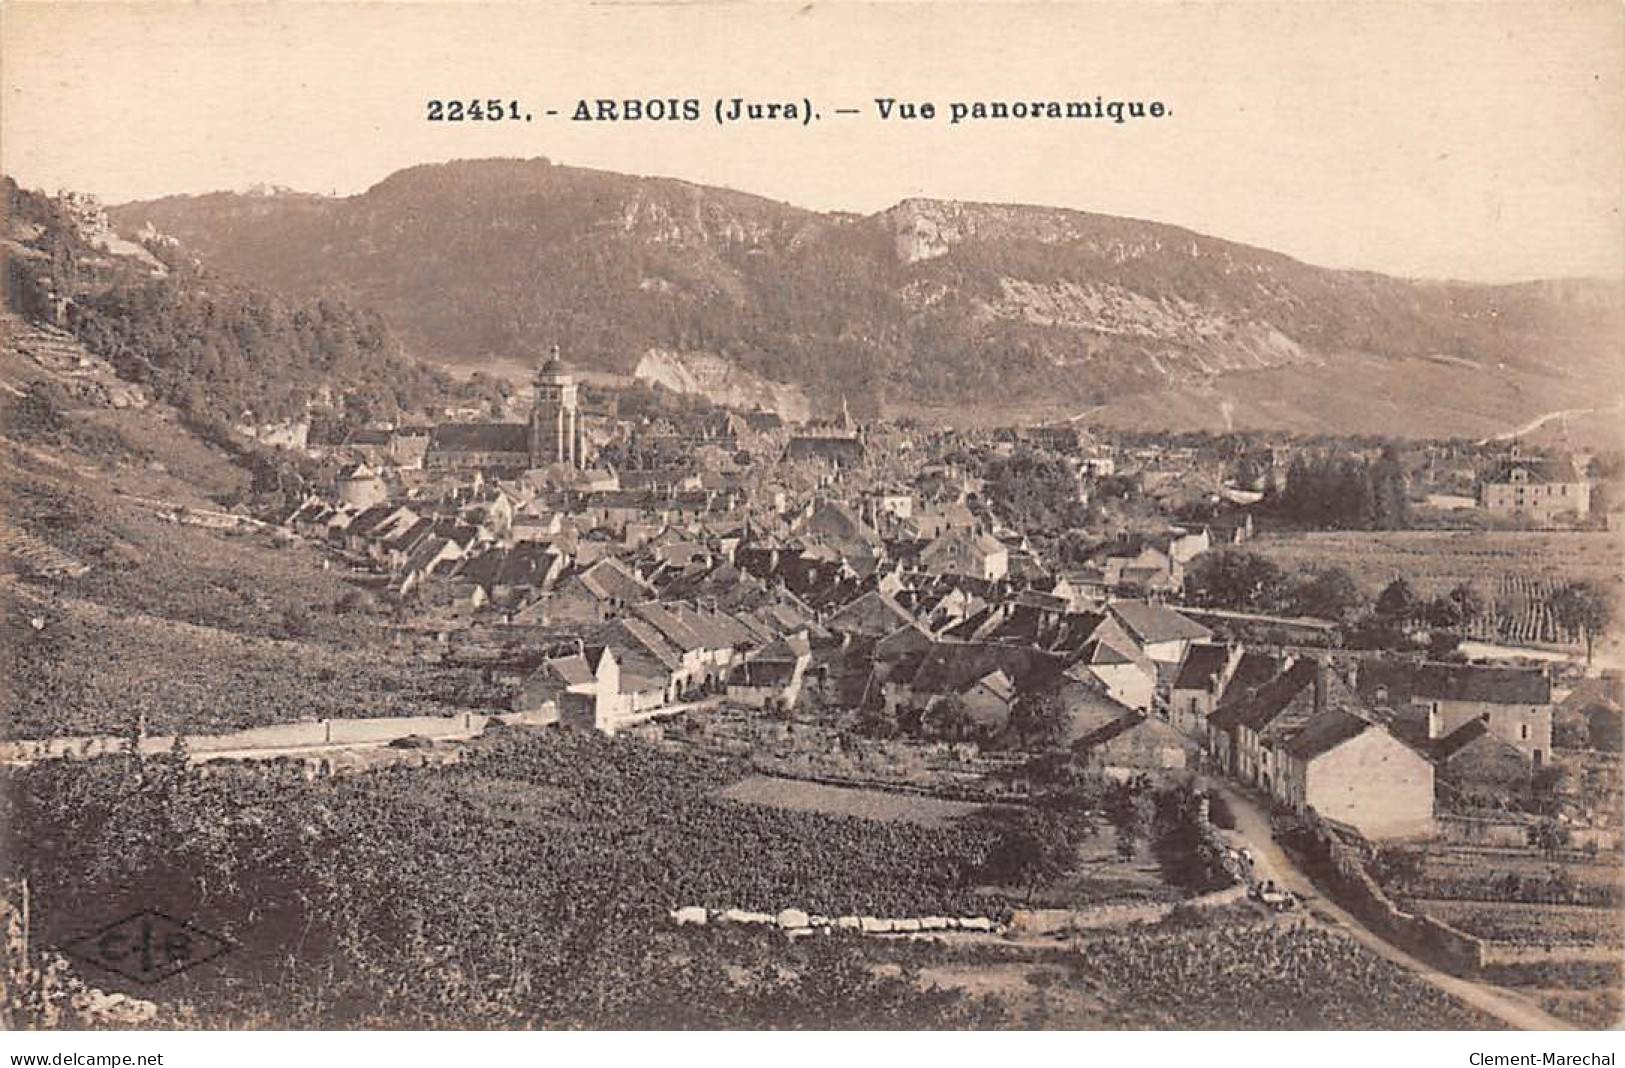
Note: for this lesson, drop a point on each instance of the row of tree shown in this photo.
(1243, 580)
(1328, 491)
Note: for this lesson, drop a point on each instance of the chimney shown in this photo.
(1320, 686)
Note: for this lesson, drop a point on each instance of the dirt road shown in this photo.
(1270, 861)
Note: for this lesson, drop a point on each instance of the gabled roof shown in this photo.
(1253, 670)
(1261, 707)
(872, 615)
(480, 437)
(1204, 663)
(1438, 681)
(610, 579)
(1326, 732)
(1538, 469)
(1460, 738)
(954, 667)
(633, 638)
(1152, 623)
(372, 517)
(573, 670)
(672, 628)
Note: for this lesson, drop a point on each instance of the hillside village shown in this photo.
(862, 574)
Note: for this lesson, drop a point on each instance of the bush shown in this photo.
(1219, 812)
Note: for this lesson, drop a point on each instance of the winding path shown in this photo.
(1540, 421)
(1273, 862)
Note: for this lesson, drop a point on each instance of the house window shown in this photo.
(1523, 731)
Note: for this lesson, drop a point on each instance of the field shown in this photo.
(1434, 561)
(1482, 874)
(96, 670)
(796, 796)
(1530, 924)
(529, 885)
(118, 615)
(1520, 898)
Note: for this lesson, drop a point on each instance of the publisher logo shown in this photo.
(147, 947)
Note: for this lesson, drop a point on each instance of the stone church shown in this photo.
(552, 436)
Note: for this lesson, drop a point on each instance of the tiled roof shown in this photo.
(1438, 681)
(1326, 732)
(1151, 623)
(1203, 664)
(480, 437)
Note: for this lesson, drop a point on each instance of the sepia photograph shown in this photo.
(823, 517)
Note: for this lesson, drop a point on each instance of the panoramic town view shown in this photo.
(961, 616)
(754, 530)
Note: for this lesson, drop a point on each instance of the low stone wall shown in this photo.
(1340, 868)
(300, 735)
(1514, 833)
(1060, 921)
(1495, 954)
(797, 922)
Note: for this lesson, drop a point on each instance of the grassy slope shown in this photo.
(1415, 398)
(194, 629)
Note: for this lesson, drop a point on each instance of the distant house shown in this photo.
(1158, 631)
(983, 675)
(360, 486)
(837, 451)
(872, 616)
(773, 675)
(1136, 743)
(1202, 677)
(1354, 771)
(1111, 658)
(1589, 717)
(596, 593)
(1252, 672)
(1473, 764)
(1536, 489)
(585, 687)
(1516, 701)
(966, 552)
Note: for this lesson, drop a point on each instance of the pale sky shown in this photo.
(1471, 140)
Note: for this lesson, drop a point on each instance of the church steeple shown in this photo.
(555, 427)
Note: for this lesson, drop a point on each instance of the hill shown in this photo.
(114, 610)
(926, 308)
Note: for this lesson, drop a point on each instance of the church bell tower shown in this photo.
(555, 423)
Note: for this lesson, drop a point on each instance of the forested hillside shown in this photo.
(928, 304)
(217, 348)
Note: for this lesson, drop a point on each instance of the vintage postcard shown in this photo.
(823, 516)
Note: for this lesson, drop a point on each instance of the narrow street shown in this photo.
(1270, 861)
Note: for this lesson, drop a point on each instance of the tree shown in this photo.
(1040, 719)
(1397, 602)
(1034, 851)
(1035, 490)
(949, 719)
(1234, 578)
(1584, 607)
(1135, 815)
(1548, 836)
(1325, 593)
(37, 416)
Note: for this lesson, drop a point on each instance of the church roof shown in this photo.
(480, 437)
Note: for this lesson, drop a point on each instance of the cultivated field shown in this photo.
(1530, 924)
(1483, 874)
(1434, 561)
(797, 796)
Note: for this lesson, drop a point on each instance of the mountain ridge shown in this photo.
(931, 304)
